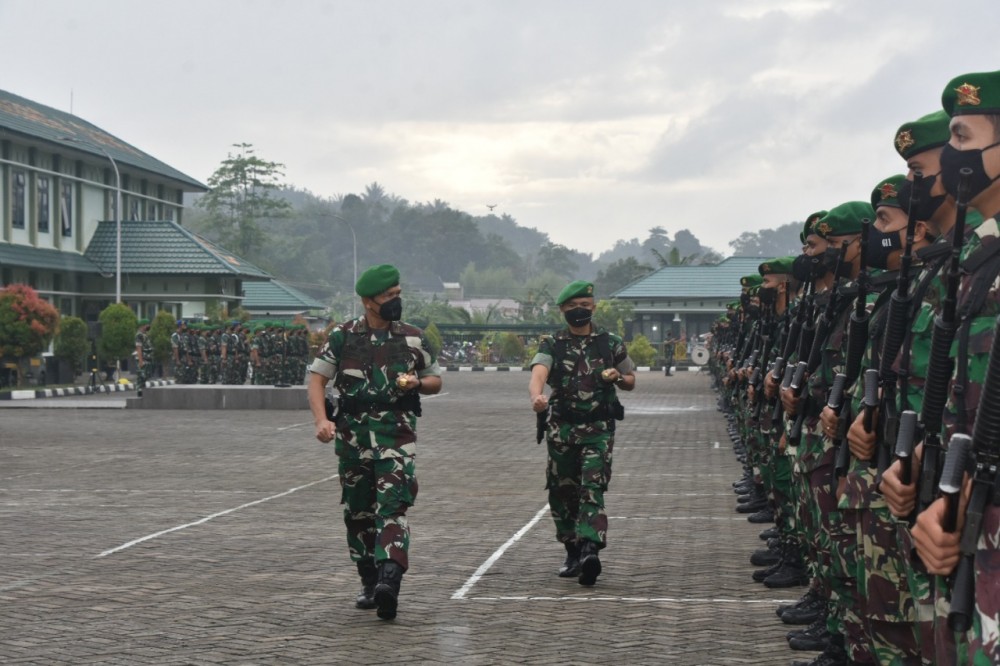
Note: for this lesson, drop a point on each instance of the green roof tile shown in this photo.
(719, 281)
(45, 259)
(164, 247)
(276, 296)
(28, 118)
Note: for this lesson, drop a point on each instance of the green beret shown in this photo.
(733, 305)
(810, 221)
(576, 289)
(970, 94)
(142, 322)
(377, 279)
(844, 220)
(886, 193)
(753, 280)
(777, 266)
(930, 131)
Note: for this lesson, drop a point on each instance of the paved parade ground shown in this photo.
(215, 537)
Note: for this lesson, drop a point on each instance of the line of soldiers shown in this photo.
(853, 376)
(266, 352)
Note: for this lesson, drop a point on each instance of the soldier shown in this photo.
(583, 364)
(973, 101)
(143, 355)
(176, 349)
(379, 366)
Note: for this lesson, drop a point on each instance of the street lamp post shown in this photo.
(118, 213)
(354, 237)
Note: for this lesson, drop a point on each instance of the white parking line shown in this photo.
(485, 566)
(680, 600)
(122, 547)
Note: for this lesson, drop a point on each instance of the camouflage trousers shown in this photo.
(887, 606)
(920, 586)
(780, 474)
(376, 495)
(142, 375)
(577, 477)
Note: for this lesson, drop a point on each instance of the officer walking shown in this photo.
(143, 355)
(379, 366)
(583, 364)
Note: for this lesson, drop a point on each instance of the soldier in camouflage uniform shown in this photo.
(973, 101)
(143, 355)
(583, 365)
(379, 366)
(177, 350)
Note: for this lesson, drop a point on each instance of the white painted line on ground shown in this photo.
(122, 547)
(485, 566)
(613, 494)
(668, 474)
(294, 425)
(677, 518)
(681, 600)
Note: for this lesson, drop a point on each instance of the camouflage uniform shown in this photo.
(580, 433)
(376, 442)
(145, 371)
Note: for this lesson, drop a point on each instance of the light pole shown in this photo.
(118, 212)
(354, 237)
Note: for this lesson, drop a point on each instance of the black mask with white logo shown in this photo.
(578, 317)
(881, 245)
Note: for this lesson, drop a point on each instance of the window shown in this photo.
(57, 282)
(133, 209)
(6, 276)
(66, 209)
(43, 204)
(169, 213)
(17, 211)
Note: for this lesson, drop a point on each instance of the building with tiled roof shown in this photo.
(275, 300)
(58, 192)
(677, 301)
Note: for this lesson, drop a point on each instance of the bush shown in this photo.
(434, 338)
(511, 349)
(641, 351)
(27, 324)
(118, 325)
(160, 331)
(72, 344)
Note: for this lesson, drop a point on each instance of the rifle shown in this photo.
(836, 403)
(940, 364)
(986, 460)
(906, 438)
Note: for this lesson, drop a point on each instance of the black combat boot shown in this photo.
(809, 597)
(769, 533)
(816, 637)
(753, 506)
(571, 567)
(792, 571)
(833, 655)
(390, 575)
(760, 575)
(590, 564)
(807, 613)
(765, 557)
(369, 577)
(762, 517)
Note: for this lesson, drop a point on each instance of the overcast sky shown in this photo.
(591, 121)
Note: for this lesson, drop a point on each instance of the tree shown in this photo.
(27, 323)
(434, 338)
(558, 259)
(159, 332)
(641, 351)
(612, 314)
(769, 243)
(241, 197)
(72, 344)
(118, 325)
(511, 349)
(620, 274)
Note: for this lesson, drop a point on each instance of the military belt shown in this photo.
(357, 406)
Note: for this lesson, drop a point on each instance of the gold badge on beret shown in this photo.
(904, 140)
(824, 228)
(968, 95)
(888, 191)
(767, 268)
(590, 289)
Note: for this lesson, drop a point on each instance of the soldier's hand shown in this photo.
(901, 499)
(751, 394)
(828, 419)
(610, 375)
(770, 386)
(325, 431)
(407, 382)
(861, 443)
(782, 444)
(540, 403)
(938, 549)
(790, 402)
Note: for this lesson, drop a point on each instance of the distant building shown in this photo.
(57, 221)
(680, 301)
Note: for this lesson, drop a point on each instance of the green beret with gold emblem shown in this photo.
(886, 193)
(930, 131)
(810, 221)
(576, 289)
(844, 220)
(377, 279)
(777, 266)
(750, 281)
(971, 94)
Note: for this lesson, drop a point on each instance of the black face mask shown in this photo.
(745, 301)
(753, 311)
(953, 160)
(881, 245)
(578, 317)
(807, 269)
(392, 309)
(768, 296)
(829, 259)
(928, 205)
